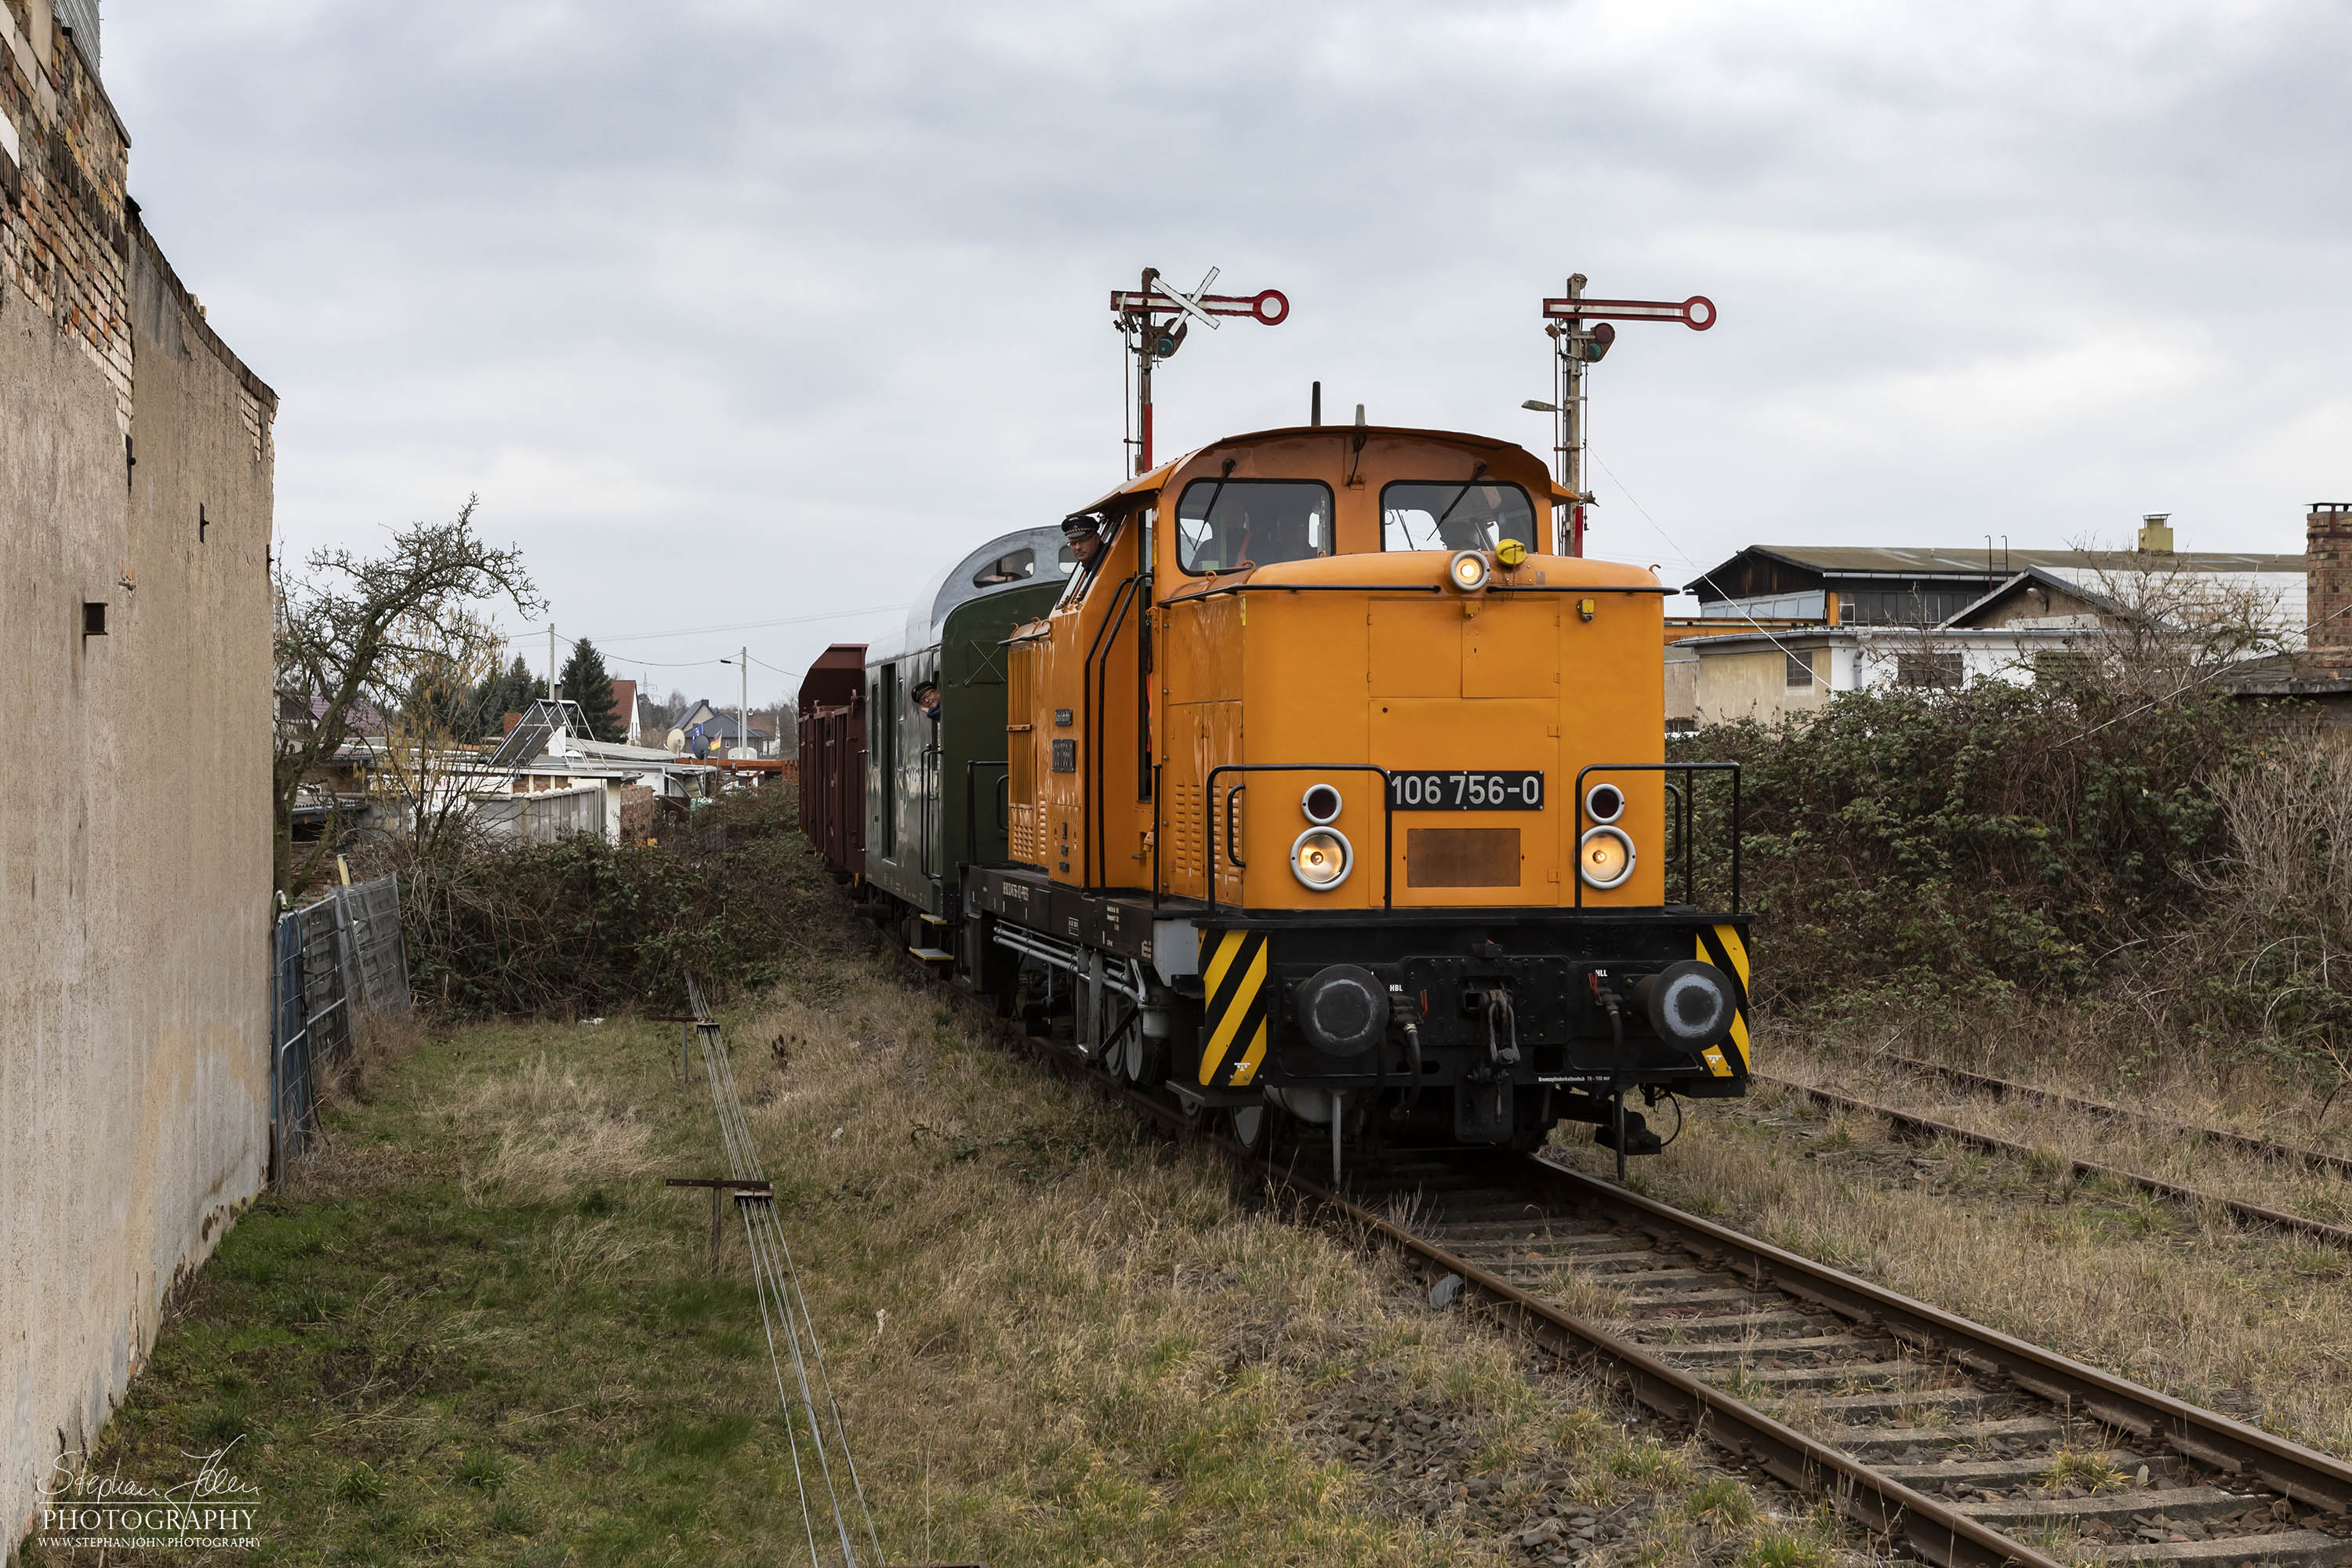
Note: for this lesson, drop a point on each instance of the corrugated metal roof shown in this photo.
(1915, 561)
(81, 15)
(1835, 559)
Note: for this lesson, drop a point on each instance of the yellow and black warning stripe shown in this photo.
(1234, 982)
(1721, 946)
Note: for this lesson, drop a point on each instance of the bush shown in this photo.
(2000, 837)
(2161, 861)
(580, 926)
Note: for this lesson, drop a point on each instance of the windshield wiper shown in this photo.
(1475, 475)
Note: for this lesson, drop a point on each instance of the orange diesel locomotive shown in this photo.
(1332, 788)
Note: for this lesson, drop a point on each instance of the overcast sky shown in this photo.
(735, 312)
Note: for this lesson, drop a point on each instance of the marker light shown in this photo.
(1604, 803)
(1605, 858)
(1467, 571)
(1321, 803)
(1321, 858)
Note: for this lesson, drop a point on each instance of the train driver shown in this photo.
(1083, 531)
(926, 698)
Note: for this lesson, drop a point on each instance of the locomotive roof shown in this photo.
(956, 585)
(1143, 483)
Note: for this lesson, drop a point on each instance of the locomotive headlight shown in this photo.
(1321, 803)
(1467, 571)
(1605, 858)
(1321, 857)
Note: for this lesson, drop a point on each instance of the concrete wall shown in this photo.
(1754, 685)
(134, 799)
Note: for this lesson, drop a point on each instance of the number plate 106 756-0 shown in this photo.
(1475, 790)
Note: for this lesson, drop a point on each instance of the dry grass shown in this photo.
(481, 1330)
(2251, 1324)
(552, 1133)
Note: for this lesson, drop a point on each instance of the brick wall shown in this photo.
(65, 211)
(2327, 582)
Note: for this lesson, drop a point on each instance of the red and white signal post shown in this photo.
(1580, 334)
(1150, 339)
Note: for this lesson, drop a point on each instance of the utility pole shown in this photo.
(1577, 342)
(743, 700)
(1150, 339)
(551, 661)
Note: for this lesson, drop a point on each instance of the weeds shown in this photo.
(2088, 1470)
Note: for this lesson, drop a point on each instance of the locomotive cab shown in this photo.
(1333, 784)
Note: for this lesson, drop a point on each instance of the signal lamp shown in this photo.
(1597, 344)
(1605, 858)
(1604, 803)
(1321, 858)
(1321, 803)
(1467, 571)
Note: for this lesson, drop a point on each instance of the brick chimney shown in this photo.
(2327, 582)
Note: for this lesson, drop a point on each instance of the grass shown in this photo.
(480, 1330)
(2249, 1323)
(2090, 1471)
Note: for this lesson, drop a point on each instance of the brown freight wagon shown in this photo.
(833, 758)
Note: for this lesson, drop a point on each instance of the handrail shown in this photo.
(1089, 774)
(1210, 592)
(1092, 699)
(970, 796)
(1208, 817)
(1690, 791)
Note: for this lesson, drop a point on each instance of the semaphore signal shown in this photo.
(1138, 313)
(1581, 333)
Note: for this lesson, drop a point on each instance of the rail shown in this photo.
(2002, 1088)
(2251, 1214)
(1092, 852)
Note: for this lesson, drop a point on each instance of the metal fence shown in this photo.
(336, 960)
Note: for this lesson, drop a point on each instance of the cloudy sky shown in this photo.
(737, 312)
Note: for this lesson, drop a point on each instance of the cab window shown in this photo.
(1224, 525)
(1451, 515)
(1082, 573)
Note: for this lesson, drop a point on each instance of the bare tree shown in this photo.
(361, 632)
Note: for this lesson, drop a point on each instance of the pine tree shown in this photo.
(586, 681)
(488, 705)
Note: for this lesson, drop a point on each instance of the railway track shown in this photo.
(2005, 1089)
(1958, 1443)
(1933, 1430)
(1929, 1127)
(1928, 1429)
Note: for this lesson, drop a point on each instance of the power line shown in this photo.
(732, 626)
